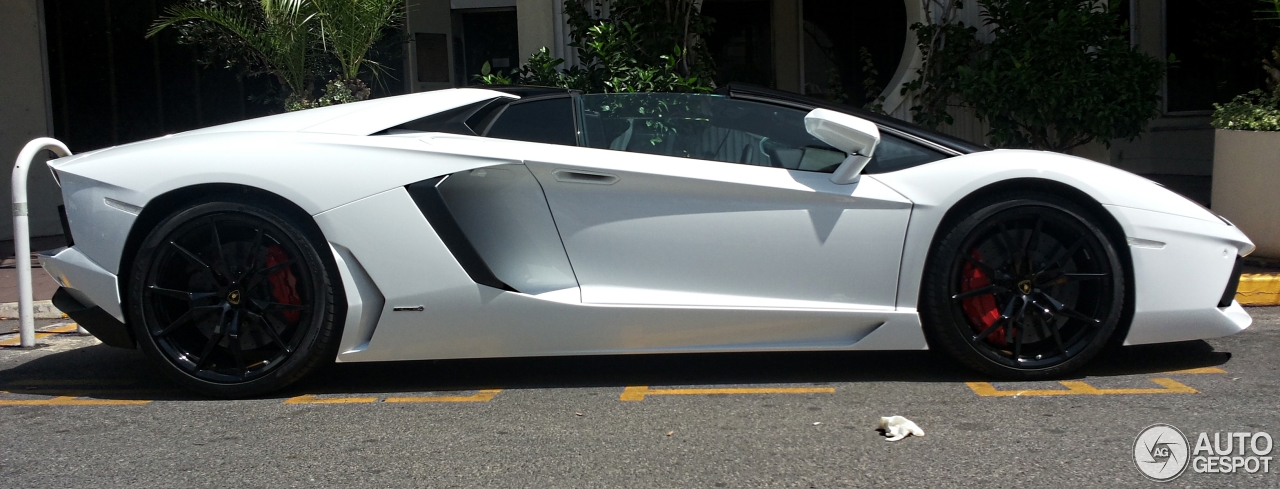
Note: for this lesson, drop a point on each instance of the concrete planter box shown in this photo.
(1246, 185)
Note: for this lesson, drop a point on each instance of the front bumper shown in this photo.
(1183, 268)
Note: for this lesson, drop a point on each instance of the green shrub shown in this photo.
(643, 46)
(1253, 111)
(1057, 74)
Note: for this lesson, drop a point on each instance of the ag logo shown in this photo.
(1160, 452)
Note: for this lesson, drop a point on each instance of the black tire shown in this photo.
(1022, 286)
(232, 299)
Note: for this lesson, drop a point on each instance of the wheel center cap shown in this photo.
(234, 297)
(1024, 287)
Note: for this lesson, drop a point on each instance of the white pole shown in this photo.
(22, 233)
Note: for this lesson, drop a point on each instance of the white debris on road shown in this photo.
(898, 427)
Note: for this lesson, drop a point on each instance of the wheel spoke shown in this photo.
(1060, 308)
(986, 268)
(264, 306)
(1017, 342)
(1053, 332)
(184, 295)
(1075, 277)
(186, 316)
(252, 261)
(1004, 243)
(979, 291)
(194, 259)
(214, 339)
(270, 330)
(233, 341)
(1064, 254)
(990, 329)
(1017, 318)
(1035, 232)
(225, 272)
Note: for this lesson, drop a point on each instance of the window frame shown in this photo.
(573, 113)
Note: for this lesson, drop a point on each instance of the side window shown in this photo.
(717, 128)
(895, 153)
(708, 127)
(538, 121)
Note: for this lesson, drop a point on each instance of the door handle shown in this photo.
(579, 176)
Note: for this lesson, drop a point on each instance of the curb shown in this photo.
(1259, 289)
(42, 309)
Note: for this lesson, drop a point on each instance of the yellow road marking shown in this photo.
(1074, 388)
(310, 399)
(72, 401)
(1201, 370)
(17, 340)
(638, 392)
(485, 395)
(482, 396)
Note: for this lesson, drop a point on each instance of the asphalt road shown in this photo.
(102, 417)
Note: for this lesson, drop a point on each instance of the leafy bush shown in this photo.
(643, 46)
(1253, 111)
(1058, 74)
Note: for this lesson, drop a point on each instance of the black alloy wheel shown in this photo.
(1024, 287)
(232, 300)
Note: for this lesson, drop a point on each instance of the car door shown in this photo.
(702, 200)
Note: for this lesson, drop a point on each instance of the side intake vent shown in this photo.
(426, 195)
(1232, 284)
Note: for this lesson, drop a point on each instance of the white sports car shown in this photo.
(510, 222)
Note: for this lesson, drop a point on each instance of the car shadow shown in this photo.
(102, 372)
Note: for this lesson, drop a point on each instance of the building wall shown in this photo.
(24, 111)
(431, 17)
(536, 20)
(1174, 144)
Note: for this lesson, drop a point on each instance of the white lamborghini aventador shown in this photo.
(510, 222)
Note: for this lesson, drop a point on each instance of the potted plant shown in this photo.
(1246, 167)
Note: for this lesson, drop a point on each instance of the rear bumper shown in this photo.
(92, 285)
(90, 295)
(94, 319)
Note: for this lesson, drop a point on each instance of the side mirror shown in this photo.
(857, 137)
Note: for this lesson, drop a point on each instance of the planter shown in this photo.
(1246, 185)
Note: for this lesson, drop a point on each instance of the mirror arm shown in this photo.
(850, 169)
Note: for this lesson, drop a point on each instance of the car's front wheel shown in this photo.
(1024, 286)
(232, 299)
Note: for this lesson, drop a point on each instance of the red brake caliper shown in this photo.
(981, 309)
(283, 283)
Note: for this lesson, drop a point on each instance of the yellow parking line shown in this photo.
(1201, 370)
(638, 392)
(72, 401)
(481, 396)
(1074, 388)
(17, 340)
(311, 399)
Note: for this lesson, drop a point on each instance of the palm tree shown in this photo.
(349, 28)
(279, 39)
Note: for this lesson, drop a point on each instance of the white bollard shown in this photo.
(22, 233)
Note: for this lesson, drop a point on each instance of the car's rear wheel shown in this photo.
(232, 299)
(1025, 286)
